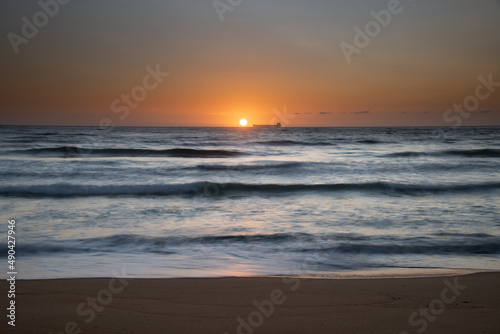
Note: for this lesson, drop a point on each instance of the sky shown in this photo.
(212, 63)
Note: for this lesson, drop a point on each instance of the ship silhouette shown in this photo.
(277, 125)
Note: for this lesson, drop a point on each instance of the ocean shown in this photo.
(210, 202)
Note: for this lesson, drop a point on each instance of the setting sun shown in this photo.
(243, 122)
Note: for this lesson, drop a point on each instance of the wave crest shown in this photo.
(215, 189)
(75, 152)
(479, 153)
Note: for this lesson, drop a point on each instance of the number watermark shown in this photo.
(11, 273)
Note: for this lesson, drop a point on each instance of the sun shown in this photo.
(243, 122)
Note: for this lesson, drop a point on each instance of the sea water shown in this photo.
(205, 202)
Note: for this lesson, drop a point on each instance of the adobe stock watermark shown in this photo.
(30, 28)
(373, 28)
(137, 94)
(282, 117)
(217, 184)
(471, 103)
(124, 104)
(436, 307)
(266, 308)
(93, 305)
(223, 6)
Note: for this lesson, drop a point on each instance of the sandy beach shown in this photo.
(455, 304)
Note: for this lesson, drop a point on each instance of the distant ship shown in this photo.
(277, 125)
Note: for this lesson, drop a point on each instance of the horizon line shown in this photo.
(249, 127)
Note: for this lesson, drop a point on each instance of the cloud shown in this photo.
(325, 113)
(361, 112)
(415, 112)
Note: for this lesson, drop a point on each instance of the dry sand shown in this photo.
(285, 306)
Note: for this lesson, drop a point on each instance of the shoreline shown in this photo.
(349, 275)
(470, 304)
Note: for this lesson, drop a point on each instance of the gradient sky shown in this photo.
(266, 55)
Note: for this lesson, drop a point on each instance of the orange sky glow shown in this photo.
(267, 61)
